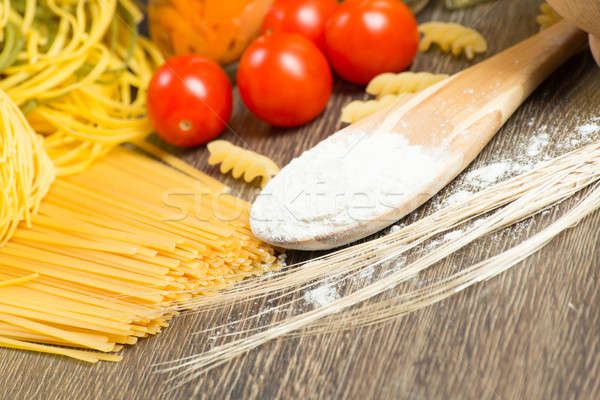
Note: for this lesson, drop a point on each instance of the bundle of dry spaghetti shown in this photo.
(79, 71)
(111, 249)
(495, 208)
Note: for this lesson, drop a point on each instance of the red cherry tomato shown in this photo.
(284, 79)
(189, 100)
(365, 38)
(304, 17)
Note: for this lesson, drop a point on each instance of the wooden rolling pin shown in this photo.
(455, 118)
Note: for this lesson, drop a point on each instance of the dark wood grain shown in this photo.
(531, 333)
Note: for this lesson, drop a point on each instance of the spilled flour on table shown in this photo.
(457, 197)
(366, 273)
(543, 144)
(537, 144)
(448, 237)
(588, 129)
(494, 173)
(321, 296)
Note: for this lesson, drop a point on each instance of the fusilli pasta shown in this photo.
(241, 162)
(404, 82)
(452, 37)
(359, 109)
(547, 17)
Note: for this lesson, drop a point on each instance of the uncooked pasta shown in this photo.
(241, 162)
(547, 17)
(403, 82)
(388, 88)
(452, 37)
(26, 171)
(359, 109)
(79, 72)
(105, 261)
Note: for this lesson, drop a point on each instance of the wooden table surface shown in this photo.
(533, 332)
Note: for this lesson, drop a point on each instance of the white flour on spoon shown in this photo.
(343, 180)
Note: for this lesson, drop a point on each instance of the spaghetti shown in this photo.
(26, 171)
(105, 262)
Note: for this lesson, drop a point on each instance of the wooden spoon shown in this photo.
(595, 46)
(452, 121)
(585, 14)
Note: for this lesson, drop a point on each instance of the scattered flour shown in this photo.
(530, 152)
(453, 235)
(458, 197)
(588, 129)
(396, 228)
(448, 237)
(493, 173)
(537, 144)
(282, 260)
(366, 273)
(394, 265)
(545, 143)
(321, 296)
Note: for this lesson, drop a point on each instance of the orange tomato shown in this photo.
(216, 29)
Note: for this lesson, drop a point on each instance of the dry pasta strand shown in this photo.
(17, 281)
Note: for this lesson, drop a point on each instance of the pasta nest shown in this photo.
(79, 71)
(26, 171)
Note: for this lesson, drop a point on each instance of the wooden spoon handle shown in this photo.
(464, 112)
(595, 47)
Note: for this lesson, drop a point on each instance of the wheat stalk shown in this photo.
(347, 261)
(514, 201)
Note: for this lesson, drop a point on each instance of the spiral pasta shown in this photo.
(241, 162)
(452, 37)
(547, 17)
(404, 82)
(26, 171)
(359, 109)
(79, 72)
